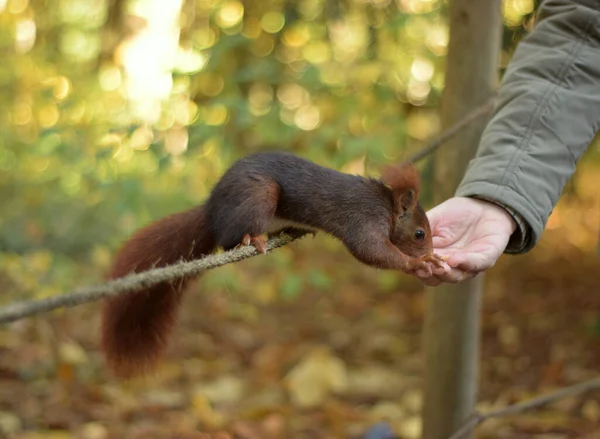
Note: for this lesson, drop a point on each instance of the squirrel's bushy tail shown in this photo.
(136, 326)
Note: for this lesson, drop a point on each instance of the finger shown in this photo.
(468, 275)
(470, 261)
(432, 281)
(422, 274)
(442, 268)
(434, 269)
(429, 279)
(455, 275)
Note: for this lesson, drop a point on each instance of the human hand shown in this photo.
(471, 234)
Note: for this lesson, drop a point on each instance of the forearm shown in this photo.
(547, 114)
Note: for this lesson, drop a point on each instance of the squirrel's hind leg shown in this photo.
(251, 211)
(259, 242)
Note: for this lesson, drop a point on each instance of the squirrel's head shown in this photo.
(411, 232)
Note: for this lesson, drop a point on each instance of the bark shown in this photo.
(451, 335)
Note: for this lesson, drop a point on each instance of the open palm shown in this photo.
(472, 234)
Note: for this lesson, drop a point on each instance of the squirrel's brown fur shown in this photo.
(380, 222)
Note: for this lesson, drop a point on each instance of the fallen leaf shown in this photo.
(375, 381)
(316, 377)
(93, 430)
(164, 398)
(591, 411)
(413, 400)
(206, 413)
(411, 428)
(9, 423)
(72, 353)
(226, 390)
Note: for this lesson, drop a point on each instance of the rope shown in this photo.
(137, 281)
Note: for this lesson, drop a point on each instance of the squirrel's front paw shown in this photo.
(416, 264)
(429, 264)
(436, 260)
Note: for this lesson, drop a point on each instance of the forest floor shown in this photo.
(329, 362)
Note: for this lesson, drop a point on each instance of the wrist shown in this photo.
(505, 217)
(520, 235)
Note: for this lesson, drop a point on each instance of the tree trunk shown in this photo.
(451, 334)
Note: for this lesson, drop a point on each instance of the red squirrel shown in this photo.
(380, 222)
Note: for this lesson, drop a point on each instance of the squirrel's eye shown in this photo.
(420, 234)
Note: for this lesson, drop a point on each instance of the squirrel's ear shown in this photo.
(408, 200)
(403, 180)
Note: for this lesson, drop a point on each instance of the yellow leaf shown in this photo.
(72, 353)
(591, 411)
(206, 414)
(10, 423)
(225, 390)
(94, 430)
(316, 377)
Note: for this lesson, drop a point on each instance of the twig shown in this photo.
(138, 281)
(148, 278)
(478, 418)
(432, 146)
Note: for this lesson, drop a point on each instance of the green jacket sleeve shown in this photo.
(547, 114)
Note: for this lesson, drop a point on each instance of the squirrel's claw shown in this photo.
(426, 262)
(436, 260)
(259, 242)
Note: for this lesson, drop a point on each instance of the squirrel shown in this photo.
(380, 221)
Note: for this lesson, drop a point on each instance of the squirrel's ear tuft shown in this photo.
(403, 180)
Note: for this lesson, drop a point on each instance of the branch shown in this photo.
(145, 279)
(433, 145)
(478, 418)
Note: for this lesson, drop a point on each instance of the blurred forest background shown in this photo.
(118, 112)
